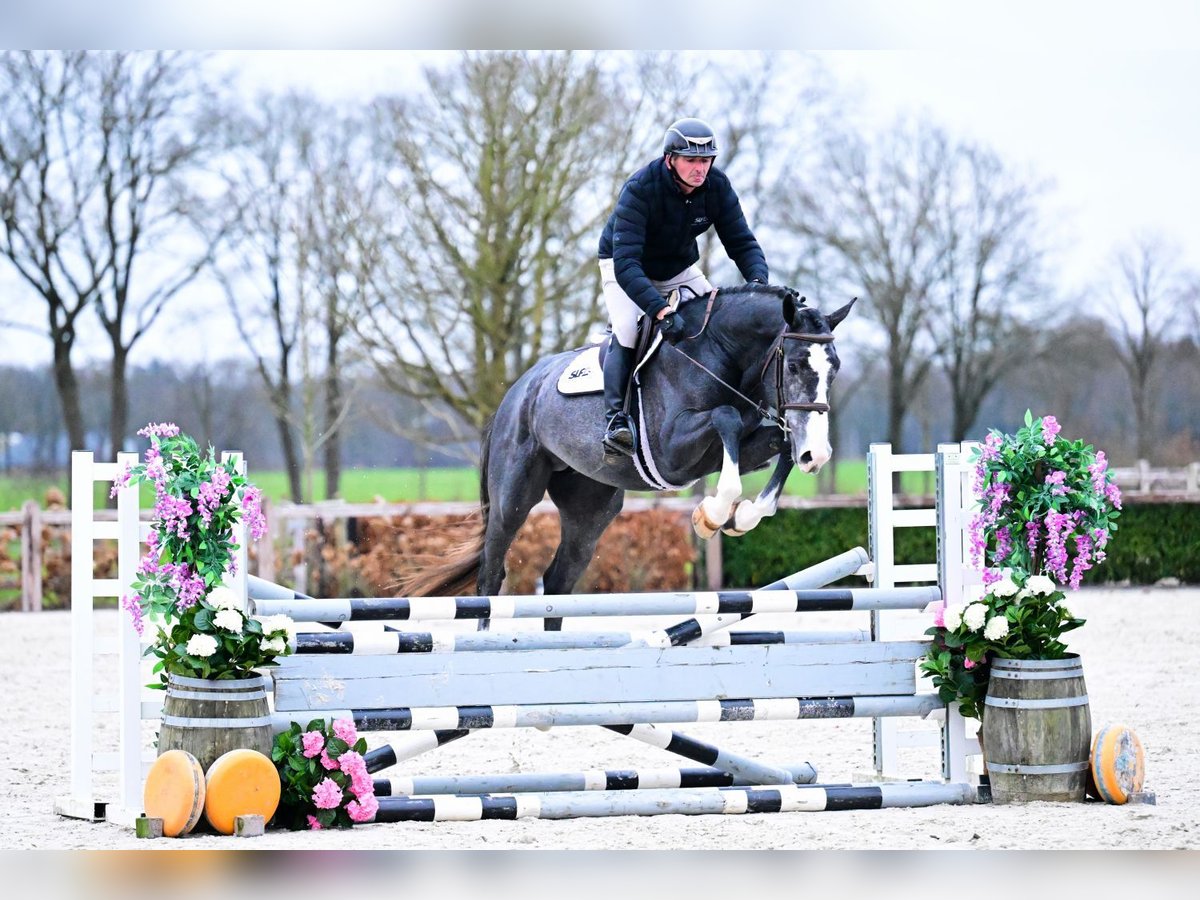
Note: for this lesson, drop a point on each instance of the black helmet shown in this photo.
(690, 137)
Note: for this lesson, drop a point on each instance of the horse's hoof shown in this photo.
(730, 527)
(701, 524)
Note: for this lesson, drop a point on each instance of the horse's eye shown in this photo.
(793, 368)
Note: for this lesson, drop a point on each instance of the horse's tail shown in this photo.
(456, 572)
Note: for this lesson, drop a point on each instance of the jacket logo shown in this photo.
(580, 373)
(700, 220)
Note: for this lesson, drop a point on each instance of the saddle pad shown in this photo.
(583, 375)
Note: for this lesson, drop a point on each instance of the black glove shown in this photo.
(672, 327)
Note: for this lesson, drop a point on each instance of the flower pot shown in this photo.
(208, 718)
(1037, 730)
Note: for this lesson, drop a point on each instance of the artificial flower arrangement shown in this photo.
(203, 631)
(1048, 509)
(324, 776)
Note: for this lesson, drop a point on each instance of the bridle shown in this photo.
(776, 353)
(774, 415)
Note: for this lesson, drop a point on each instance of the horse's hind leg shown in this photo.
(512, 493)
(586, 508)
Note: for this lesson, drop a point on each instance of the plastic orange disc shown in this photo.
(1118, 763)
(240, 783)
(174, 792)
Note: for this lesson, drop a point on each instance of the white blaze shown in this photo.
(814, 438)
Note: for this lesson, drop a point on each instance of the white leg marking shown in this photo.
(729, 488)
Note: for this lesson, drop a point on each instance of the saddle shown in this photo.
(585, 374)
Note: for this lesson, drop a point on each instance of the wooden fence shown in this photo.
(289, 524)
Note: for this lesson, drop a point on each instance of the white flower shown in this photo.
(275, 645)
(277, 625)
(974, 616)
(229, 619)
(1022, 594)
(997, 628)
(1041, 584)
(201, 645)
(953, 617)
(224, 598)
(1005, 587)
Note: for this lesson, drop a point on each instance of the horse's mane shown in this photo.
(778, 291)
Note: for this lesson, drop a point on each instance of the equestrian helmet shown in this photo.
(690, 137)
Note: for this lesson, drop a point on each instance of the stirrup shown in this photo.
(618, 438)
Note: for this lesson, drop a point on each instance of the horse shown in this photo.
(749, 381)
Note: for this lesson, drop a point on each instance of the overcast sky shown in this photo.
(1100, 97)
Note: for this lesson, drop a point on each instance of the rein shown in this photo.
(774, 353)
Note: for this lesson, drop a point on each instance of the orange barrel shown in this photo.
(1118, 764)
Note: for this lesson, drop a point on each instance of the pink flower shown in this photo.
(169, 429)
(314, 743)
(344, 729)
(363, 809)
(327, 795)
(132, 604)
(968, 663)
(313, 823)
(1050, 429)
(328, 761)
(939, 615)
(256, 521)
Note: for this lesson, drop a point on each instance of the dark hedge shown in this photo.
(1153, 541)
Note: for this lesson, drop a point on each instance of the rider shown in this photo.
(648, 248)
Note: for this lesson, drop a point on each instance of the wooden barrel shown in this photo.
(1037, 730)
(209, 718)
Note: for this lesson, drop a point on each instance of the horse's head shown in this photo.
(807, 366)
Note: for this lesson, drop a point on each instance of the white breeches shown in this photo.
(624, 313)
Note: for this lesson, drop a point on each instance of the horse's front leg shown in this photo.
(713, 512)
(748, 513)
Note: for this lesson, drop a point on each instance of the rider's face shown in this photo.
(691, 170)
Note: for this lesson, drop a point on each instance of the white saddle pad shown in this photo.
(583, 375)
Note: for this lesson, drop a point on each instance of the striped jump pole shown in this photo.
(421, 742)
(386, 643)
(657, 802)
(532, 606)
(636, 713)
(825, 572)
(749, 770)
(558, 782)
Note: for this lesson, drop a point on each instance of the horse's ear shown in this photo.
(834, 318)
(790, 305)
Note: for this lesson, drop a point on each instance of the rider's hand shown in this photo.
(672, 327)
(756, 281)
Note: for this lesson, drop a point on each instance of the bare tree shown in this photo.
(986, 224)
(868, 213)
(44, 189)
(302, 240)
(97, 154)
(502, 174)
(1149, 290)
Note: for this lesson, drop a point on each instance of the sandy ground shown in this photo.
(1137, 648)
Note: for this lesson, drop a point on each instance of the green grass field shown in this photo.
(412, 485)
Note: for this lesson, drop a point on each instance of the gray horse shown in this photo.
(752, 379)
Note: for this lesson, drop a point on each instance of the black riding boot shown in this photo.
(618, 438)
